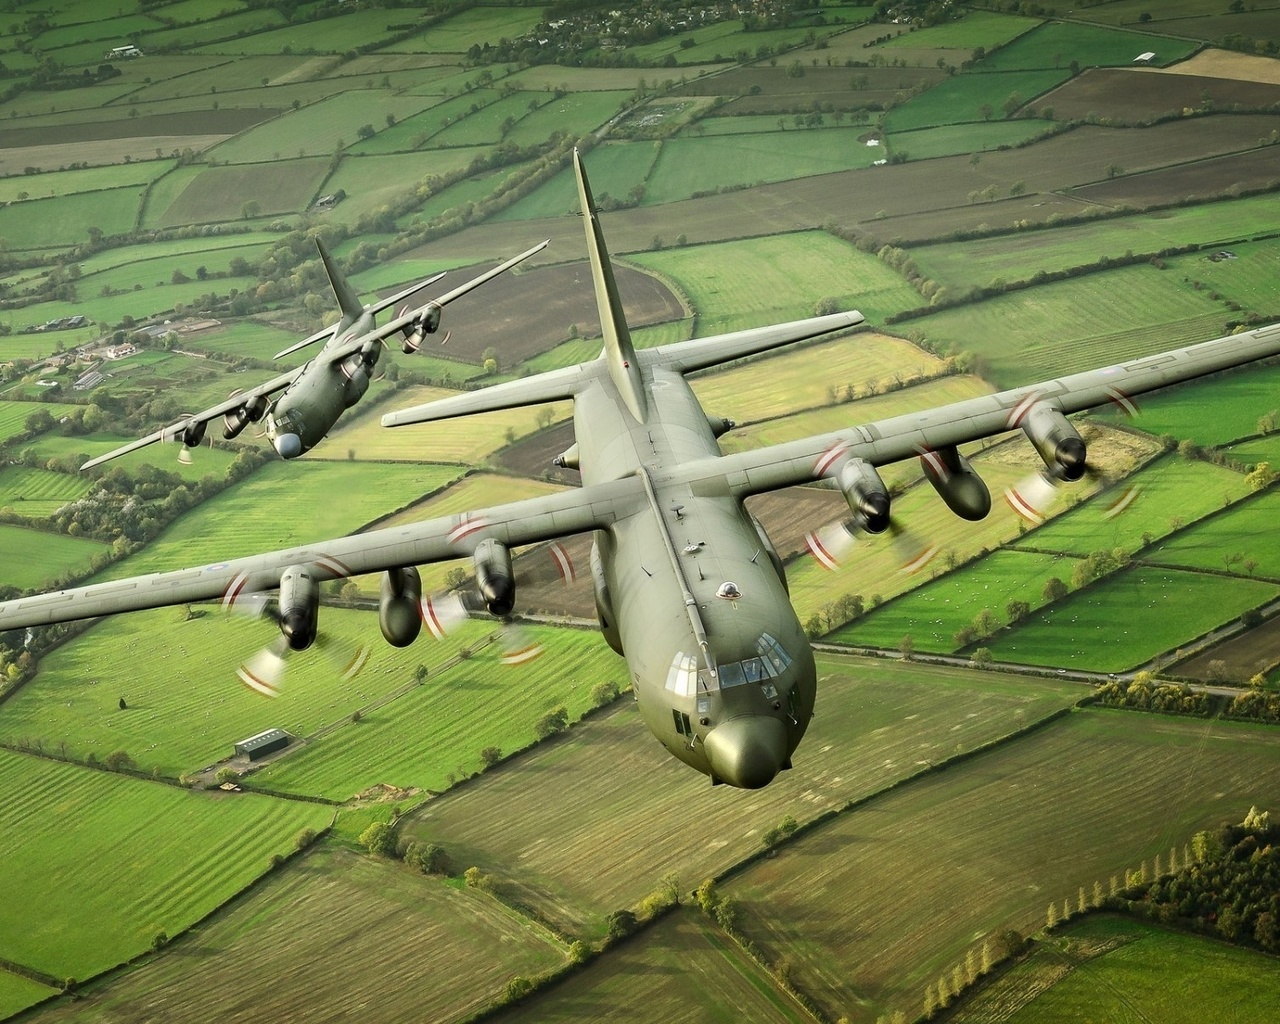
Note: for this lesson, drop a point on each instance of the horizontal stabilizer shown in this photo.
(687, 356)
(553, 386)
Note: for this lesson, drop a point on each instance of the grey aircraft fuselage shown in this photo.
(304, 413)
(736, 708)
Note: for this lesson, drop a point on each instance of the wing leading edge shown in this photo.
(528, 521)
(903, 437)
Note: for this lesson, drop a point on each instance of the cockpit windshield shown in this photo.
(684, 679)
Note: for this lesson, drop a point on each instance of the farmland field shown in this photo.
(287, 928)
(932, 614)
(976, 28)
(991, 842)
(1238, 399)
(587, 840)
(682, 968)
(18, 992)
(220, 193)
(84, 447)
(1018, 257)
(1110, 967)
(1233, 535)
(1056, 44)
(14, 415)
(966, 97)
(438, 729)
(686, 166)
(63, 220)
(1096, 629)
(173, 670)
(1172, 491)
(785, 383)
(1133, 311)
(948, 140)
(299, 497)
(34, 559)
(733, 283)
(38, 493)
(199, 850)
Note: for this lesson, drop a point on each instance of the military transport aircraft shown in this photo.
(316, 393)
(688, 588)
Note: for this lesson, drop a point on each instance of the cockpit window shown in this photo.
(682, 676)
(773, 661)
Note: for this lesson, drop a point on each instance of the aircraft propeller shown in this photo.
(444, 612)
(869, 501)
(263, 671)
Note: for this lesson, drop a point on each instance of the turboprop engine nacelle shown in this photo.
(299, 606)
(237, 419)
(193, 432)
(357, 376)
(1056, 441)
(428, 322)
(956, 482)
(399, 605)
(494, 577)
(866, 494)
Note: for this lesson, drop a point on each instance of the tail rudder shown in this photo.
(348, 301)
(620, 354)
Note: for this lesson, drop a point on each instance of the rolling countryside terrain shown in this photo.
(1007, 193)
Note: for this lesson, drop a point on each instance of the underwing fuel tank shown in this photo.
(399, 611)
(956, 482)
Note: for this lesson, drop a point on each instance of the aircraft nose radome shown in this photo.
(747, 752)
(288, 445)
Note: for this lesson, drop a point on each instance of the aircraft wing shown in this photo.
(686, 356)
(408, 317)
(902, 437)
(528, 521)
(174, 430)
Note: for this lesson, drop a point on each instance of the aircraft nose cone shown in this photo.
(747, 752)
(288, 445)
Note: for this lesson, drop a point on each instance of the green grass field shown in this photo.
(174, 672)
(948, 140)
(439, 728)
(64, 220)
(298, 499)
(1097, 628)
(580, 839)
(933, 613)
(966, 97)
(1111, 967)
(1056, 44)
(976, 28)
(680, 968)
(197, 850)
(1238, 398)
(220, 193)
(1228, 540)
(1132, 312)
(991, 841)
(17, 993)
(616, 168)
(422, 930)
(33, 558)
(204, 461)
(38, 493)
(780, 384)
(731, 284)
(1018, 257)
(89, 179)
(14, 415)
(1172, 491)
(686, 166)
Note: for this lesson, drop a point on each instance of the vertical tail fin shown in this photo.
(619, 352)
(348, 301)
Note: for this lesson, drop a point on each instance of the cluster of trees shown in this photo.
(1232, 888)
(382, 840)
(1146, 693)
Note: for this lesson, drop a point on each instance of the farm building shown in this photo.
(122, 51)
(264, 743)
